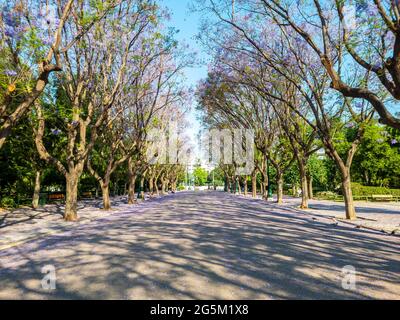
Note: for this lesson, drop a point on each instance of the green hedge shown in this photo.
(326, 194)
(7, 202)
(360, 190)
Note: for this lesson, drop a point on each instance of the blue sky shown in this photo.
(188, 23)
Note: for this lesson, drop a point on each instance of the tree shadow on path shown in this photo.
(205, 246)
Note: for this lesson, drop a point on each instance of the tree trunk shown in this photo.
(245, 185)
(71, 201)
(131, 189)
(254, 185)
(304, 192)
(304, 185)
(226, 184)
(151, 186)
(344, 168)
(131, 181)
(279, 182)
(310, 187)
(36, 190)
(105, 190)
(173, 186)
(156, 186)
(348, 194)
(265, 186)
(142, 188)
(163, 182)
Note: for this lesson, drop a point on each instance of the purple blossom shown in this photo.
(389, 37)
(10, 73)
(12, 22)
(45, 23)
(287, 60)
(47, 41)
(10, 31)
(55, 131)
(394, 141)
(377, 65)
(90, 85)
(359, 105)
(52, 20)
(8, 18)
(372, 10)
(350, 125)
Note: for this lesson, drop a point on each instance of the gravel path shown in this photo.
(205, 245)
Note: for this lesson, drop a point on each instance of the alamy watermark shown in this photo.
(49, 280)
(349, 277)
(233, 146)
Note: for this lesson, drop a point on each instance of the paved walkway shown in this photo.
(204, 245)
(25, 224)
(380, 216)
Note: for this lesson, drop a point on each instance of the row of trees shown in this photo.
(305, 76)
(83, 83)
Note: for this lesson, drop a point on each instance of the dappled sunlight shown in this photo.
(217, 250)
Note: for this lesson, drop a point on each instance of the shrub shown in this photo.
(326, 194)
(360, 190)
(7, 202)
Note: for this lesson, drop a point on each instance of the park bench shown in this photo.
(382, 197)
(57, 196)
(87, 195)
